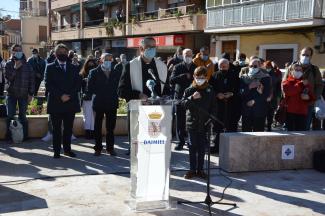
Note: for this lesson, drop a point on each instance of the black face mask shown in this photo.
(62, 57)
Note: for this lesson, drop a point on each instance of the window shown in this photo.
(42, 33)
(42, 9)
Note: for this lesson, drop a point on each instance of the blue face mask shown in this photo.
(107, 65)
(204, 57)
(149, 53)
(18, 55)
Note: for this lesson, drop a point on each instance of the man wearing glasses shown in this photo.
(132, 84)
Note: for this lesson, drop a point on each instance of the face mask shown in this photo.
(204, 57)
(107, 65)
(297, 74)
(268, 70)
(242, 63)
(304, 60)
(124, 61)
(62, 57)
(149, 53)
(18, 55)
(200, 82)
(35, 55)
(188, 60)
(253, 71)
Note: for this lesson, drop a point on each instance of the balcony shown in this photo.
(247, 15)
(92, 30)
(55, 4)
(179, 19)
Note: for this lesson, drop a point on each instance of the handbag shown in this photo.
(281, 112)
(320, 108)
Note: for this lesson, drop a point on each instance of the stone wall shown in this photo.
(262, 151)
(38, 126)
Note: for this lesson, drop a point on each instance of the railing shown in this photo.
(168, 13)
(259, 12)
(93, 22)
(72, 26)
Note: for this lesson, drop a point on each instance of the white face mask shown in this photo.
(297, 74)
(253, 71)
(188, 60)
(200, 82)
(304, 60)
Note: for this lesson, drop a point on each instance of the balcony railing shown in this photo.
(167, 13)
(243, 13)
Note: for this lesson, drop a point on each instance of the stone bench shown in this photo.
(263, 151)
(38, 126)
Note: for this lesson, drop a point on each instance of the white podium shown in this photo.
(150, 136)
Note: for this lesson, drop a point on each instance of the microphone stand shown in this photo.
(208, 200)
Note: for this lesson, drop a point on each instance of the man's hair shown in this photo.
(255, 60)
(35, 50)
(242, 56)
(187, 50)
(14, 46)
(308, 48)
(61, 46)
(201, 71)
(223, 61)
(180, 48)
(146, 40)
(103, 56)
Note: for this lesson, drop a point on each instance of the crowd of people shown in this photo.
(242, 94)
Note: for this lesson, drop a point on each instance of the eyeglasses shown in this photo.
(253, 66)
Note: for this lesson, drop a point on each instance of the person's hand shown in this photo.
(305, 82)
(260, 89)
(250, 103)
(305, 96)
(30, 98)
(143, 96)
(221, 96)
(269, 99)
(228, 95)
(253, 85)
(196, 95)
(65, 98)
(189, 76)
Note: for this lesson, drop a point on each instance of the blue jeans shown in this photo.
(197, 144)
(11, 111)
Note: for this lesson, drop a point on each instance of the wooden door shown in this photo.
(230, 47)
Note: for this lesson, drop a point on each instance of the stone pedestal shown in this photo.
(262, 151)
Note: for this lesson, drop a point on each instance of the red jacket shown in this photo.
(293, 88)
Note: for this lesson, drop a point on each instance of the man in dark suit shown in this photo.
(181, 78)
(63, 83)
(103, 82)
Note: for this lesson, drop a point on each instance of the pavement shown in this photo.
(33, 183)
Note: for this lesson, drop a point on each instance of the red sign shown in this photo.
(166, 40)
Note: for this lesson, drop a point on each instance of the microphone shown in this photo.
(150, 71)
(151, 86)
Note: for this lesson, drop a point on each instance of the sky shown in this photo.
(9, 5)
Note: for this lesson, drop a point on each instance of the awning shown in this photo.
(94, 4)
(161, 41)
(75, 8)
(97, 3)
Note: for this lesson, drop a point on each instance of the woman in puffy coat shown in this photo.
(298, 95)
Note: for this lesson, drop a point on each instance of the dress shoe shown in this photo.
(56, 155)
(179, 147)
(201, 174)
(111, 152)
(98, 153)
(70, 154)
(190, 174)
